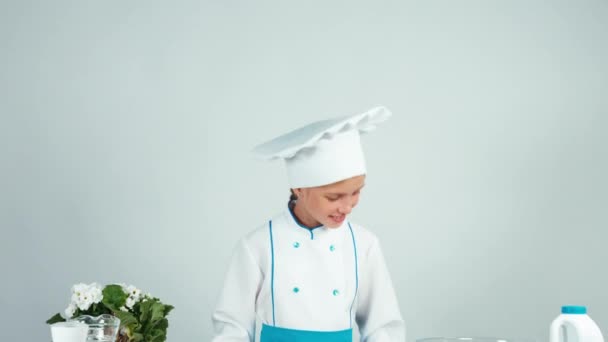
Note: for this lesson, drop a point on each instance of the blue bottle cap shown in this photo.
(574, 310)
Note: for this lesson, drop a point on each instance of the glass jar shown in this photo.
(103, 328)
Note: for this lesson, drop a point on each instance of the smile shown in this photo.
(337, 218)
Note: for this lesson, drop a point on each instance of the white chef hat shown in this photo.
(323, 152)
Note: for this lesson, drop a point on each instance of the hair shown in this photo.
(292, 198)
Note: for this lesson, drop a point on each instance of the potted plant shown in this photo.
(143, 318)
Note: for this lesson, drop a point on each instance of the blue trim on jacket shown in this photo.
(272, 270)
(352, 234)
(310, 229)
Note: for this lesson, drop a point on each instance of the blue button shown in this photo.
(296, 244)
(336, 292)
(332, 248)
(296, 290)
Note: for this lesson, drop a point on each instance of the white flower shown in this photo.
(84, 303)
(79, 287)
(96, 293)
(83, 295)
(134, 295)
(122, 308)
(78, 290)
(134, 292)
(69, 311)
(130, 302)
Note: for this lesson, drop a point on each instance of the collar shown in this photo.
(314, 232)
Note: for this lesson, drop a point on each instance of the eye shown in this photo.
(333, 199)
(356, 192)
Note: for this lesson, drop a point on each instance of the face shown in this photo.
(329, 204)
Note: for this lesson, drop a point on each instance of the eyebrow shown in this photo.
(342, 193)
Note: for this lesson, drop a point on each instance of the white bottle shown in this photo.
(573, 325)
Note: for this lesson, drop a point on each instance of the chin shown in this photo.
(332, 224)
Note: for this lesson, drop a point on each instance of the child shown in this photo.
(309, 274)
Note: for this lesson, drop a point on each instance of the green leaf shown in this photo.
(156, 335)
(158, 311)
(126, 318)
(137, 337)
(114, 297)
(98, 309)
(163, 324)
(168, 309)
(158, 332)
(55, 319)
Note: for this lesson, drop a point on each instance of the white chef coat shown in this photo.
(320, 279)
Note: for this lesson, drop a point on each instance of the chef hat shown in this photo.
(323, 152)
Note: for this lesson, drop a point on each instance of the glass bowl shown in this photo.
(103, 328)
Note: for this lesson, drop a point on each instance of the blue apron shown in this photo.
(276, 334)
(272, 333)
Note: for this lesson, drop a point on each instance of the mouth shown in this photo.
(337, 218)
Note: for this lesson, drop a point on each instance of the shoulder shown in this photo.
(257, 236)
(365, 239)
(260, 235)
(257, 241)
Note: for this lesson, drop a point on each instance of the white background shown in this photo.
(126, 125)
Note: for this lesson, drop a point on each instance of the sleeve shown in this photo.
(234, 317)
(378, 315)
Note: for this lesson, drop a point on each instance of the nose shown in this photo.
(345, 209)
